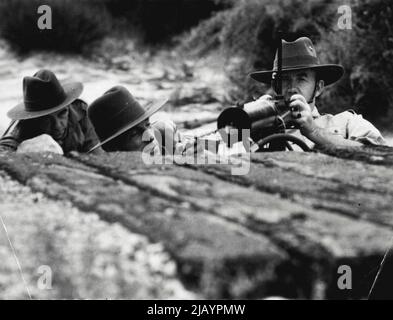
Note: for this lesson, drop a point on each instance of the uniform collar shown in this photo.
(78, 110)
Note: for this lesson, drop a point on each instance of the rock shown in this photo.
(121, 63)
(86, 257)
(188, 69)
(188, 94)
(282, 230)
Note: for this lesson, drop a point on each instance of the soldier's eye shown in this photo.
(60, 114)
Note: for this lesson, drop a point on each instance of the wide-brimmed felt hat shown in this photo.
(117, 111)
(298, 55)
(43, 94)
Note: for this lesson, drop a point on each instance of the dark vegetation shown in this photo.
(243, 32)
(75, 25)
(78, 24)
(157, 21)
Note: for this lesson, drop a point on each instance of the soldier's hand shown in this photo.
(42, 143)
(301, 113)
(266, 101)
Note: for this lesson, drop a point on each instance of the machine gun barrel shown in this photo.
(262, 117)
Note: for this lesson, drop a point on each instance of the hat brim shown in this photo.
(329, 73)
(72, 92)
(151, 108)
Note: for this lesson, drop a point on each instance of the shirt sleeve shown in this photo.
(10, 142)
(361, 130)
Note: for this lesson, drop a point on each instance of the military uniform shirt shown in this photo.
(347, 124)
(80, 134)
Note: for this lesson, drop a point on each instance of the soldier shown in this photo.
(51, 118)
(303, 80)
(122, 124)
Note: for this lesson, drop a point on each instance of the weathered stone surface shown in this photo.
(68, 254)
(283, 229)
(315, 237)
(382, 155)
(350, 188)
(206, 248)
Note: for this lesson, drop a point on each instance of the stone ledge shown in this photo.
(283, 229)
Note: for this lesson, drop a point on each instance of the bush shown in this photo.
(159, 20)
(366, 52)
(75, 26)
(372, 77)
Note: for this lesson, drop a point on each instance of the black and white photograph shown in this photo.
(209, 151)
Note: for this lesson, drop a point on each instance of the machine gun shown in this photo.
(267, 124)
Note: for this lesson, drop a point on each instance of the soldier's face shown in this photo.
(139, 137)
(59, 123)
(54, 125)
(299, 82)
